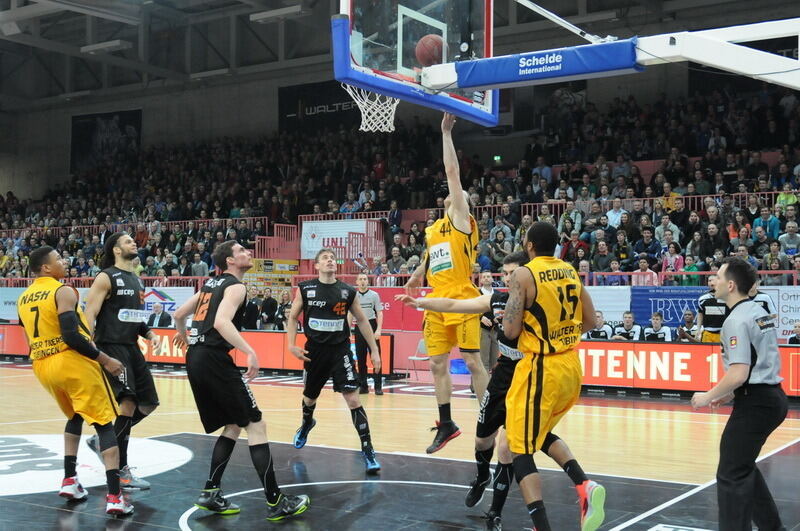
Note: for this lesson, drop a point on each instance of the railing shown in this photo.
(131, 226)
(791, 277)
(86, 282)
(284, 245)
(556, 207)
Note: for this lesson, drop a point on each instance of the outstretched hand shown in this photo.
(448, 121)
(408, 300)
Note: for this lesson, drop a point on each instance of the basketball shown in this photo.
(429, 50)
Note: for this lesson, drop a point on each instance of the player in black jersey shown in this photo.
(324, 303)
(114, 307)
(222, 396)
(492, 415)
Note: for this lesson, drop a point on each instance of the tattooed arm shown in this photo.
(521, 291)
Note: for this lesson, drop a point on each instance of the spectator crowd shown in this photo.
(579, 175)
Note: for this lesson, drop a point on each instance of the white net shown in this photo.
(377, 110)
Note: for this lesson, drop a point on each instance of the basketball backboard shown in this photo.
(375, 49)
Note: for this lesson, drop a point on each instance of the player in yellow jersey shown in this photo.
(67, 364)
(452, 243)
(546, 309)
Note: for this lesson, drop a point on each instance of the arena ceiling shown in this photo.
(57, 52)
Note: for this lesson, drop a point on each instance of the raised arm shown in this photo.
(459, 209)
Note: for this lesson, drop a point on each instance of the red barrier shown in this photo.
(675, 366)
(636, 365)
(271, 348)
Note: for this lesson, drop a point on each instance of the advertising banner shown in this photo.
(328, 233)
(271, 273)
(8, 303)
(171, 298)
(673, 366)
(613, 301)
(787, 302)
(671, 301)
(271, 349)
(316, 106)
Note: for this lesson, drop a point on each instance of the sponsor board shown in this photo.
(613, 301)
(671, 301)
(32, 464)
(673, 366)
(328, 233)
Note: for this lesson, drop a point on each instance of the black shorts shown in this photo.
(329, 361)
(219, 390)
(135, 382)
(493, 404)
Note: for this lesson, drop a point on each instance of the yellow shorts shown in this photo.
(709, 337)
(441, 334)
(543, 389)
(79, 386)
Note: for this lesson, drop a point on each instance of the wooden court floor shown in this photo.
(641, 440)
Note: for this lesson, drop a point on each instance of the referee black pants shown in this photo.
(742, 494)
(362, 353)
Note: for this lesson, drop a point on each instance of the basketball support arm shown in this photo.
(718, 48)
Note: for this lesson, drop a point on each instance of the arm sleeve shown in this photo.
(737, 341)
(69, 331)
(144, 329)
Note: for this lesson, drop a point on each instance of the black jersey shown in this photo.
(202, 331)
(604, 332)
(120, 318)
(713, 310)
(662, 334)
(325, 308)
(507, 347)
(634, 334)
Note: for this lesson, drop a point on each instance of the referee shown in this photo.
(711, 313)
(370, 303)
(752, 363)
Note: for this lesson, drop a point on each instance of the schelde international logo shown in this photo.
(538, 64)
(153, 296)
(32, 464)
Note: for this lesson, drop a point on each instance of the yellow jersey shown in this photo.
(451, 255)
(552, 323)
(38, 314)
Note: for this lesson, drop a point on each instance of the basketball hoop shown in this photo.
(377, 110)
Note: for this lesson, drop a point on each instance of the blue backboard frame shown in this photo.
(375, 82)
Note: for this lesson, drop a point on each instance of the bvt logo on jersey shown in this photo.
(31, 464)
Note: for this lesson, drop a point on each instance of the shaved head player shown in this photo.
(546, 309)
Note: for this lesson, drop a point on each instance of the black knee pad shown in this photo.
(549, 439)
(106, 436)
(524, 466)
(74, 425)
